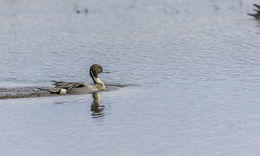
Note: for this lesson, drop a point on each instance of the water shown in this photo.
(191, 70)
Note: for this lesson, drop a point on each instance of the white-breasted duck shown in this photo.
(81, 87)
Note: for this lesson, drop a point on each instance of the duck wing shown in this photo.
(68, 85)
(256, 16)
(258, 6)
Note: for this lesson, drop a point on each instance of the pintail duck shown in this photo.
(257, 14)
(81, 87)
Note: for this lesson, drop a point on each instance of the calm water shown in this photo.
(192, 70)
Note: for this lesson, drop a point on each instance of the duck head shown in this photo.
(96, 69)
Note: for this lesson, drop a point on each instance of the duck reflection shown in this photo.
(96, 109)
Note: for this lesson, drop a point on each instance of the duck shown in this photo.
(81, 87)
(257, 14)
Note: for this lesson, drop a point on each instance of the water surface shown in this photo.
(193, 70)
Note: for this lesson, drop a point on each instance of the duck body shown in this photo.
(81, 87)
(77, 87)
(257, 14)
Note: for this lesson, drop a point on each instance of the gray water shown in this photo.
(191, 71)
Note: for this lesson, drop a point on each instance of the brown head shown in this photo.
(94, 70)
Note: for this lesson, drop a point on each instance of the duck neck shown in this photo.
(96, 80)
